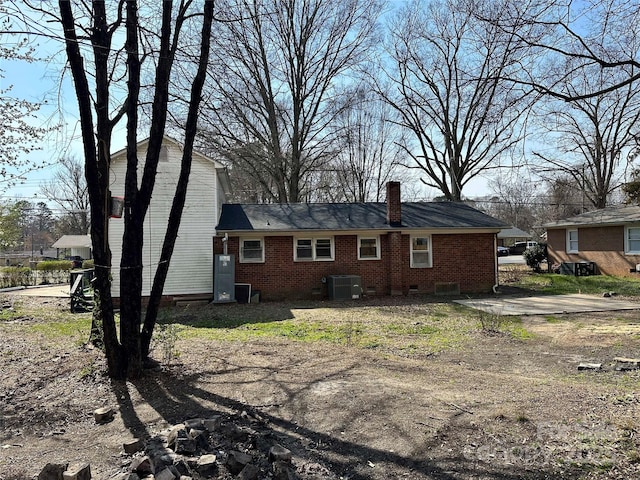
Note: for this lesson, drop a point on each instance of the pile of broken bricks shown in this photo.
(621, 364)
(221, 447)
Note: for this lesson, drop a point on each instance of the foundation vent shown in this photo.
(447, 288)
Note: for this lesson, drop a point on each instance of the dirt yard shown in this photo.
(483, 406)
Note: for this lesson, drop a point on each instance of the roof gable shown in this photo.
(73, 241)
(166, 140)
(350, 216)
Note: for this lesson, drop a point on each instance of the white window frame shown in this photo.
(375, 238)
(314, 245)
(573, 248)
(243, 259)
(627, 240)
(429, 263)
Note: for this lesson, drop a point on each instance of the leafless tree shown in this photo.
(368, 153)
(586, 35)
(563, 199)
(448, 90)
(591, 136)
(110, 49)
(591, 113)
(277, 72)
(515, 200)
(67, 189)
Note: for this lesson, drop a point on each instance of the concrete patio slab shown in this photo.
(549, 304)
(61, 291)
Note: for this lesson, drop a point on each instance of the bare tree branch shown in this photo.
(275, 79)
(449, 92)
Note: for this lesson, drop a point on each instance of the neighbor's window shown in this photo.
(313, 249)
(632, 240)
(420, 252)
(572, 241)
(368, 248)
(252, 250)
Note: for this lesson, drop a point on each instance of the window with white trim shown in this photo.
(251, 250)
(421, 251)
(369, 248)
(572, 241)
(313, 249)
(632, 240)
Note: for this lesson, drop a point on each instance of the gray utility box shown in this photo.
(224, 273)
(344, 287)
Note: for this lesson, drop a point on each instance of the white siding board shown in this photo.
(191, 268)
(84, 252)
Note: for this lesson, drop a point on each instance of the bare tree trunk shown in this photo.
(177, 207)
(124, 354)
(97, 154)
(131, 261)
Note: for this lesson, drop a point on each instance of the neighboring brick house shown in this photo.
(286, 250)
(609, 237)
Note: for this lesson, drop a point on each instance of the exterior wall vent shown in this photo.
(447, 288)
(164, 154)
(344, 287)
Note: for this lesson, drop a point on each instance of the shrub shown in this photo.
(534, 256)
(52, 271)
(54, 265)
(164, 338)
(492, 322)
(15, 276)
(88, 263)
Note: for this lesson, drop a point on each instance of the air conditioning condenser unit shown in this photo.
(344, 287)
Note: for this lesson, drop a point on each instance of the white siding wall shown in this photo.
(191, 270)
(84, 252)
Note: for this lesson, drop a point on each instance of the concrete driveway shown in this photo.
(549, 304)
(512, 260)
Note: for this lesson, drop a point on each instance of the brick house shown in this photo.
(609, 237)
(289, 250)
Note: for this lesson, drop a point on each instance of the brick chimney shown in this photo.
(394, 211)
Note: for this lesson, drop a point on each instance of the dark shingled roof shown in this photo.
(513, 232)
(619, 215)
(350, 216)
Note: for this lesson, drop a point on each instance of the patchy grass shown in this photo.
(53, 321)
(410, 329)
(555, 284)
(418, 327)
(491, 323)
(79, 325)
(25, 307)
(503, 406)
(517, 330)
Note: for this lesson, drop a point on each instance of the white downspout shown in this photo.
(495, 253)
